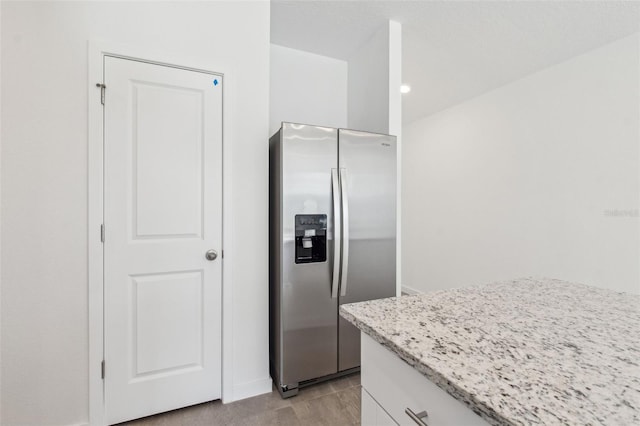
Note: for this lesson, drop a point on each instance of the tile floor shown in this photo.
(332, 403)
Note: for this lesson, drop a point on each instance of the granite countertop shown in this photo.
(526, 351)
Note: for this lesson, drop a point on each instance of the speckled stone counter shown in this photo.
(527, 351)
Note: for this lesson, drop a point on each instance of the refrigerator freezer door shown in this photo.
(308, 312)
(369, 164)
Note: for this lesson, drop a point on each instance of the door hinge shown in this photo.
(102, 87)
(222, 254)
(102, 232)
(102, 369)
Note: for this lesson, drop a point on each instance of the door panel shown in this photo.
(166, 323)
(162, 177)
(167, 161)
(309, 313)
(369, 161)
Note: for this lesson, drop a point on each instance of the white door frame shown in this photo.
(97, 50)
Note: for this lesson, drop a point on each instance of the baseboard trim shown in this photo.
(410, 291)
(249, 389)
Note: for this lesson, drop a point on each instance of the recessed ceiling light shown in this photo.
(405, 88)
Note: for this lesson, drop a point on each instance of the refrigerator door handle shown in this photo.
(345, 232)
(337, 232)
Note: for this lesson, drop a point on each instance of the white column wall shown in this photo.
(368, 99)
(395, 128)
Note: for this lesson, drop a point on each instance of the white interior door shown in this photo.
(163, 213)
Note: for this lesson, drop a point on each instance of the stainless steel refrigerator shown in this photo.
(332, 241)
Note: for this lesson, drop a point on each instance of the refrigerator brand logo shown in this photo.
(385, 144)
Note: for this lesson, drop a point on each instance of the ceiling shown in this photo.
(455, 50)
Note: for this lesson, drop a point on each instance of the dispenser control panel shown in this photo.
(311, 238)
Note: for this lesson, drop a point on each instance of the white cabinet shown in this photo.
(373, 414)
(391, 386)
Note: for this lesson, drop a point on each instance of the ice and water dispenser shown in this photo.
(311, 238)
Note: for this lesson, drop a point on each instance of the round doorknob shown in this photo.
(211, 255)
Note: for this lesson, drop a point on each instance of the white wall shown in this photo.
(44, 324)
(518, 181)
(306, 88)
(368, 93)
(361, 93)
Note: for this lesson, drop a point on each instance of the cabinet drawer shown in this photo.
(396, 386)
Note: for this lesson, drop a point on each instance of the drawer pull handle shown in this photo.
(418, 418)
